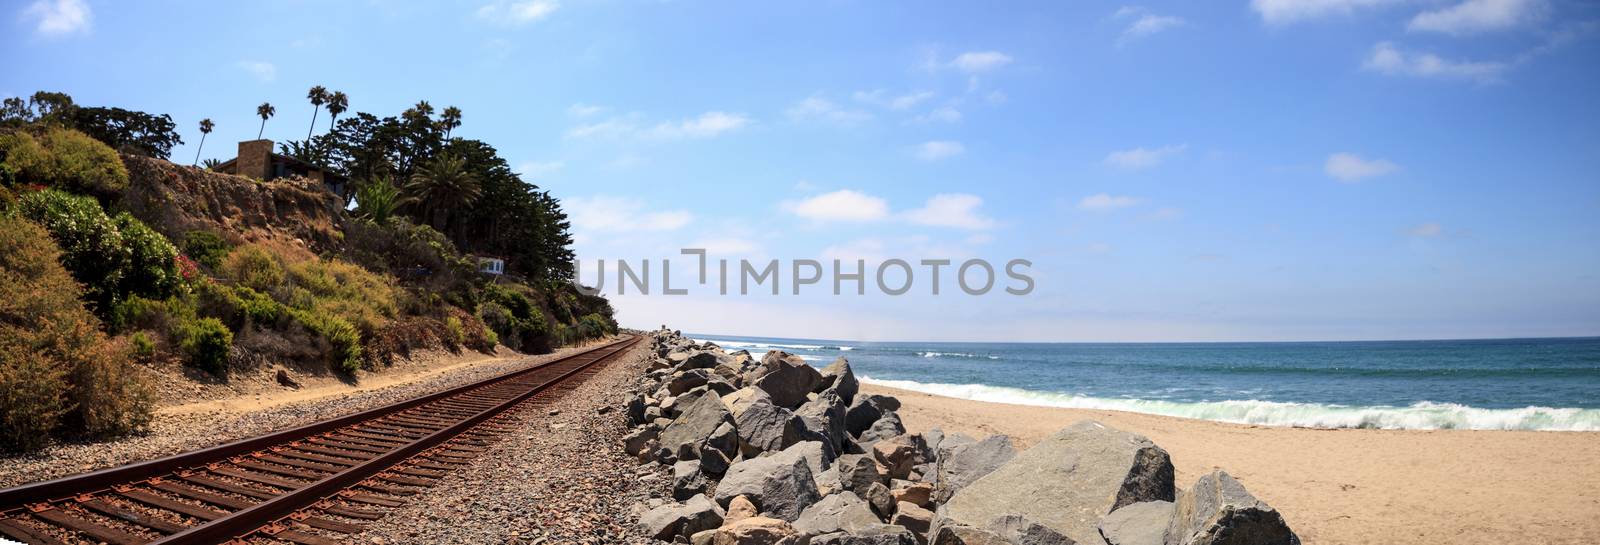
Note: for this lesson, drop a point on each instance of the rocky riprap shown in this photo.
(770, 451)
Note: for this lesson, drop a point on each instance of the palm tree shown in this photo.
(337, 104)
(211, 163)
(422, 110)
(265, 110)
(317, 95)
(442, 185)
(378, 199)
(205, 128)
(450, 120)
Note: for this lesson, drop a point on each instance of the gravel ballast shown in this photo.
(558, 478)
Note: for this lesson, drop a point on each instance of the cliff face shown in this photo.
(177, 199)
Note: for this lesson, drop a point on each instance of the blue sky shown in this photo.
(1232, 170)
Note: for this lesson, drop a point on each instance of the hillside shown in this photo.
(132, 281)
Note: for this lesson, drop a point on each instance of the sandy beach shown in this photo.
(1348, 486)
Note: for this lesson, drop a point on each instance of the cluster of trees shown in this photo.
(127, 131)
(411, 165)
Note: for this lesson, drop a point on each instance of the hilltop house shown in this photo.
(257, 160)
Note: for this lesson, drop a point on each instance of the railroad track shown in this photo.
(308, 485)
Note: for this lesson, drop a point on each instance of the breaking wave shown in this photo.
(1424, 415)
(956, 355)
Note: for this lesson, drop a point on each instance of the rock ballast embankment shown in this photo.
(771, 451)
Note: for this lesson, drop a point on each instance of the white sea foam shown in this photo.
(1418, 416)
(755, 346)
(955, 355)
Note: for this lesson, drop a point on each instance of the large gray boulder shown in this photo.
(819, 456)
(1143, 523)
(781, 485)
(788, 381)
(765, 427)
(948, 533)
(770, 362)
(1021, 531)
(697, 421)
(684, 381)
(835, 513)
(900, 453)
(858, 471)
(681, 519)
(886, 427)
(839, 378)
(1217, 510)
(743, 398)
(825, 416)
(872, 534)
(1069, 481)
(960, 462)
(704, 359)
(866, 410)
(687, 480)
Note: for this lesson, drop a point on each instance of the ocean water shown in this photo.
(1524, 384)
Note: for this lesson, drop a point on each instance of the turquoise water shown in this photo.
(1531, 384)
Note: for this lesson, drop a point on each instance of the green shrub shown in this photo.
(143, 347)
(153, 262)
(206, 248)
(490, 337)
(92, 248)
(343, 338)
(365, 299)
(254, 267)
(456, 334)
(257, 307)
(206, 342)
(57, 370)
(63, 158)
(113, 258)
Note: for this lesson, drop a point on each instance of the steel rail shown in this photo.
(242, 522)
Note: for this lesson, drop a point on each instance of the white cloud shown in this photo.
(870, 250)
(1429, 229)
(706, 125)
(517, 13)
(841, 205)
(535, 169)
(942, 114)
(709, 124)
(1350, 168)
(262, 70)
(1387, 59)
(1282, 12)
(58, 17)
(1104, 201)
(625, 161)
(996, 97)
(1150, 24)
(951, 210)
(584, 110)
(879, 97)
(1145, 23)
(1141, 158)
(605, 213)
(1165, 213)
(1478, 15)
(817, 108)
(939, 149)
(980, 61)
(727, 246)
